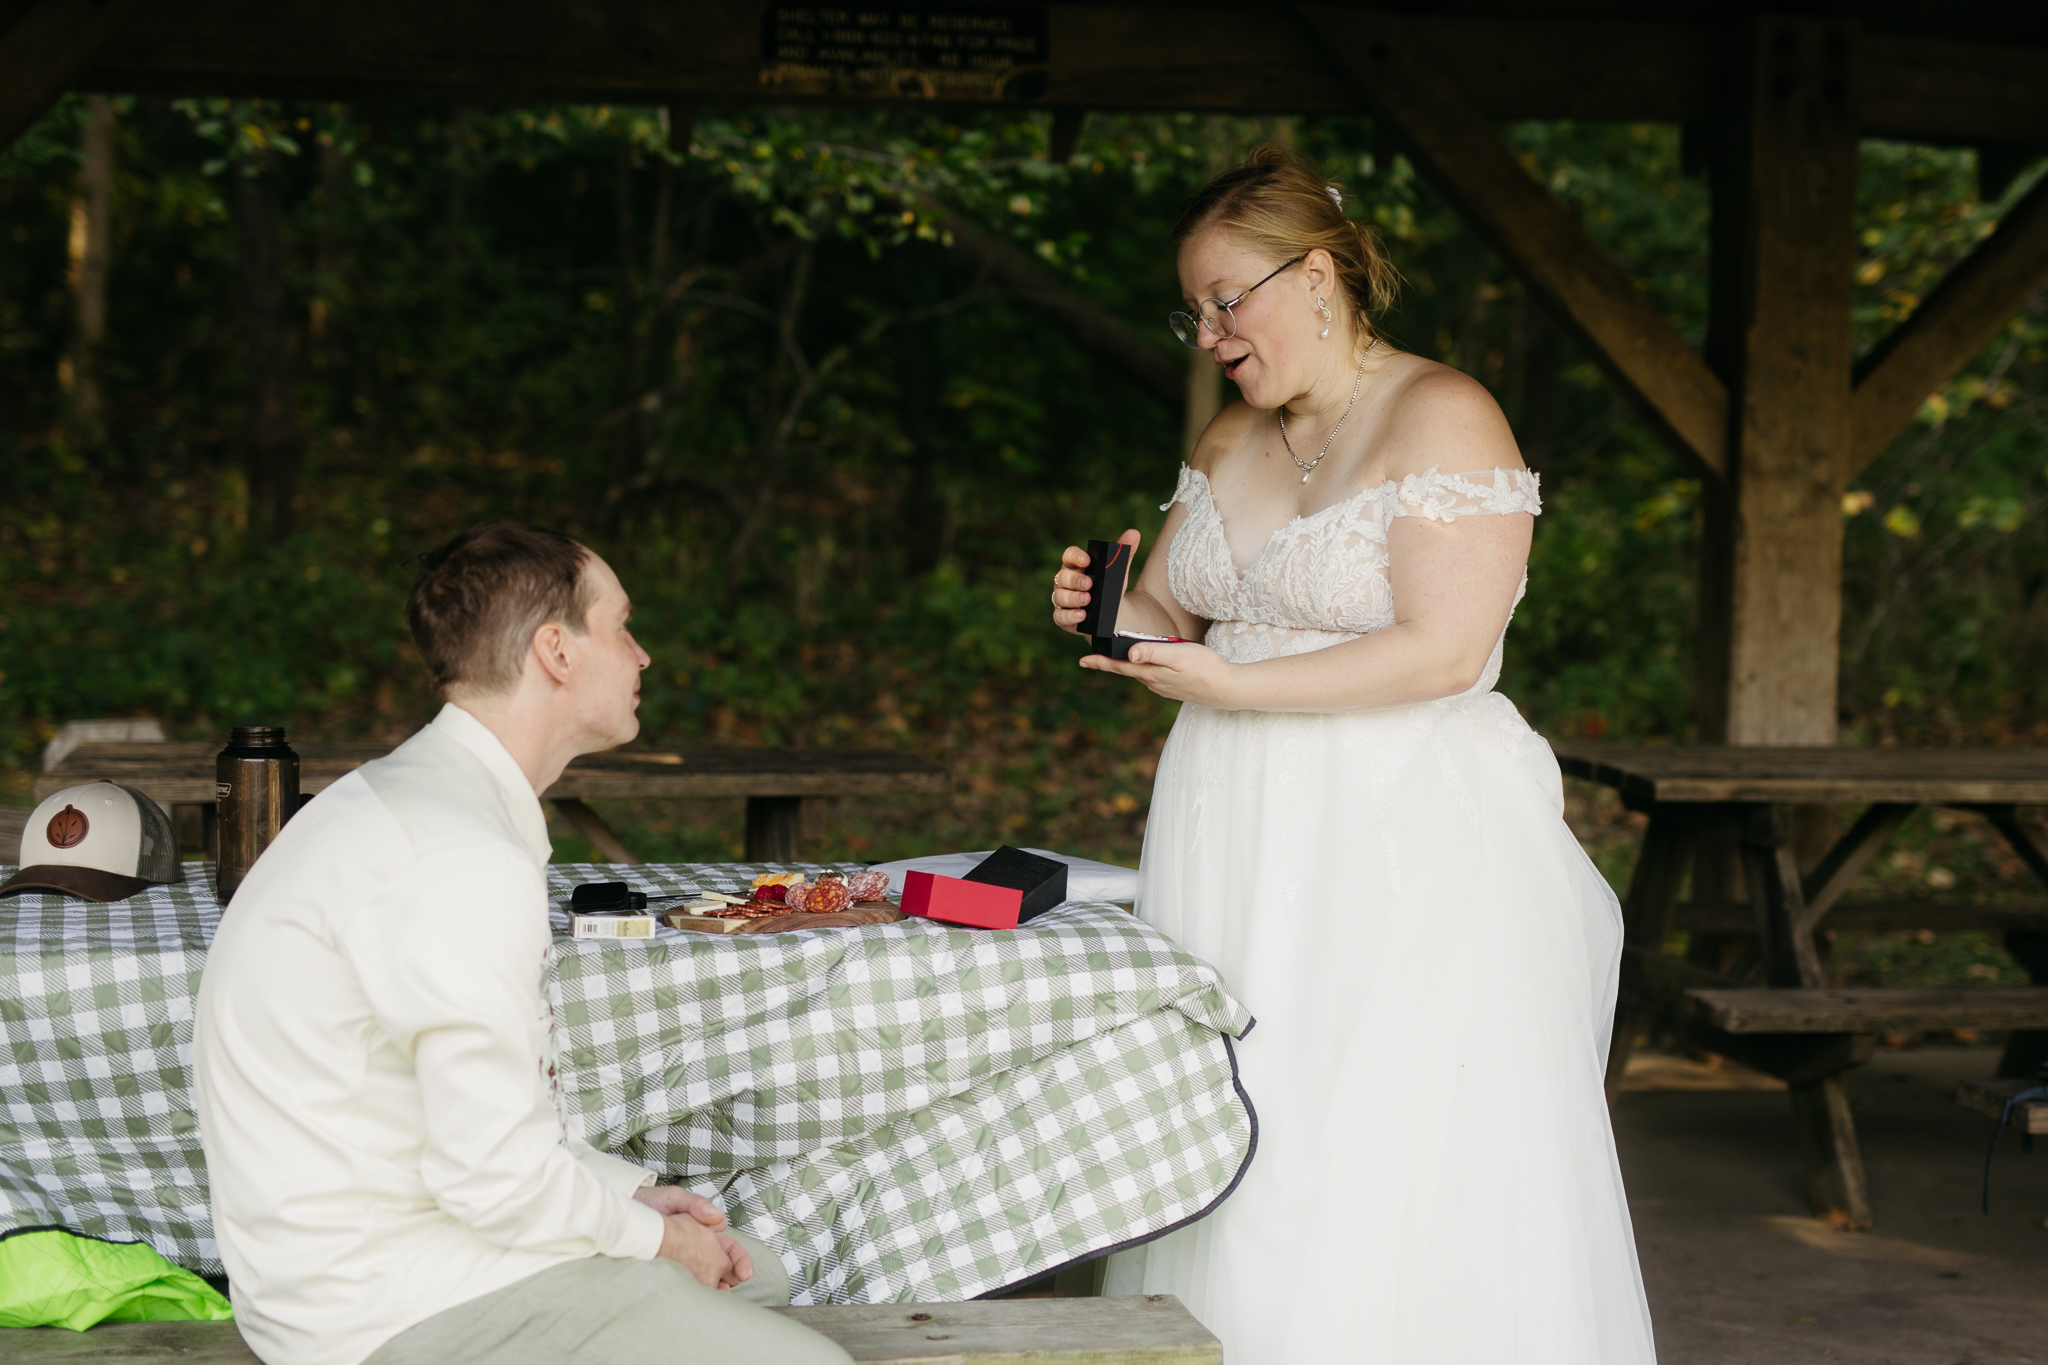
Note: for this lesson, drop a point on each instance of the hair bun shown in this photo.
(1272, 156)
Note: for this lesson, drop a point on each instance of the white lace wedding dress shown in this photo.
(1432, 961)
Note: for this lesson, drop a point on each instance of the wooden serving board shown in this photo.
(863, 912)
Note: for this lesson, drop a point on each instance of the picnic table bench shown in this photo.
(1152, 1329)
(1773, 1006)
(775, 783)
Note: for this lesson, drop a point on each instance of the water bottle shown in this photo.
(256, 782)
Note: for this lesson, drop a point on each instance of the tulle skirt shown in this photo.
(1432, 960)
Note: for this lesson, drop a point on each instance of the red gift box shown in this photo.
(978, 904)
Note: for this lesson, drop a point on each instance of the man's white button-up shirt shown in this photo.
(372, 1066)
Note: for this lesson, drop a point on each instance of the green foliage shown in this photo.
(756, 368)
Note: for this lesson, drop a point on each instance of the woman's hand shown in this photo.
(1186, 672)
(1072, 588)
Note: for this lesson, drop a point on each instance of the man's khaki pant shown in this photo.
(603, 1311)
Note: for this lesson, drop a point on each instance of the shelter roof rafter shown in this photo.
(1455, 146)
(46, 49)
(1929, 75)
(1952, 324)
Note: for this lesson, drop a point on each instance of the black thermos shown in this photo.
(256, 780)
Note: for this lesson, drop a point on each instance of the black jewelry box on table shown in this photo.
(1008, 888)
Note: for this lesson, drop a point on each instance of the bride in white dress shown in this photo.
(1367, 839)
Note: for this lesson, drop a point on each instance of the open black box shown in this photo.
(1109, 566)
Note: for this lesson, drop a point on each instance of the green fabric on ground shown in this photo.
(53, 1279)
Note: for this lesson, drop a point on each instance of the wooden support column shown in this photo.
(44, 50)
(1784, 188)
(774, 828)
(1820, 1107)
(1784, 206)
(1646, 920)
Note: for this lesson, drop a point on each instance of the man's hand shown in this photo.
(715, 1259)
(667, 1199)
(693, 1236)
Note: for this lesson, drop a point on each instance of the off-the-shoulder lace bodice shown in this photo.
(1321, 579)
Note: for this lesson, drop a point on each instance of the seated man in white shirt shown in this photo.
(390, 1179)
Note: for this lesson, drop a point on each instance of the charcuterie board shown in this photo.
(861, 912)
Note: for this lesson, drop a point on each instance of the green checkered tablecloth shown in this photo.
(904, 1111)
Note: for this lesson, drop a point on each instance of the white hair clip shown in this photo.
(1336, 195)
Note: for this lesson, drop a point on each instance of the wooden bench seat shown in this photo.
(1783, 1010)
(1989, 1097)
(1152, 1329)
(1877, 917)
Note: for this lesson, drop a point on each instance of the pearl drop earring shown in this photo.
(1323, 308)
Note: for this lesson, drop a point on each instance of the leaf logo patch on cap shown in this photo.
(68, 828)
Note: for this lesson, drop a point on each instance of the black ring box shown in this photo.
(1109, 565)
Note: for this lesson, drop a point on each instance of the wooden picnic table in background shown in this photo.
(774, 782)
(1754, 985)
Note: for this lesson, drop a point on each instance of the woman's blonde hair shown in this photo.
(1278, 205)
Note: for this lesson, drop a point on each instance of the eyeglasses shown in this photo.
(1215, 314)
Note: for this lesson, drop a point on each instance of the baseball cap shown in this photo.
(100, 841)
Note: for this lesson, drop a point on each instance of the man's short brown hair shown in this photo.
(482, 595)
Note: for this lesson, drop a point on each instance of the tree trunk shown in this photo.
(322, 340)
(91, 212)
(460, 122)
(271, 458)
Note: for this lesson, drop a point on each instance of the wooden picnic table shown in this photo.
(1769, 1002)
(775, 782)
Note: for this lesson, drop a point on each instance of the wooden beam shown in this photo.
(1837, 1010)
(1786, 196)
(1453, 144)
(1140, 1329)
(1948, 329)
(1921, 88)
(45, 51)
(2001, 163)
(1511, 64)
(1845, 862)
(591, 826)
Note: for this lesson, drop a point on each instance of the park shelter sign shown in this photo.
(928, 53)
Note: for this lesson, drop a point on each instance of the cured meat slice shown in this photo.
(826, 898)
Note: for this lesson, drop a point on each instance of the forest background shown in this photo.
(831, 390)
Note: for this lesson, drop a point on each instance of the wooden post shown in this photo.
(1836, 1187)
(774, 824)
(1785, 198)
(1820, 1106)
(1646, 920)
(91, 214)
